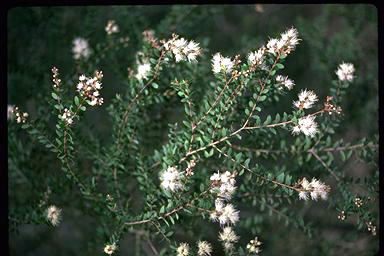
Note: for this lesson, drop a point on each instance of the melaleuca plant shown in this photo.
(204, 184)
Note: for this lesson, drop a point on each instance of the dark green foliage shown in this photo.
(104, 167)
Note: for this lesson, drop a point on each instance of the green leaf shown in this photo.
(279, 66)
(77, 102)
(155, 85)
(54, 95)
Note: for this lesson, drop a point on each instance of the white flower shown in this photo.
(143, 71)
(182, 49)
(89, 87)
(20, 117)
(221, 64)
(314, 189)
(345, 72)
(289, 40)
(110, 248)
(183, 249)
(306, 99)
(54, 215)
(170, 179)
(306, 125)
(257, 57)
(285, 81)
(225, 214)
(10, 112)
(272, 45)
(80, 48)
(223, 184)
(111, 27)
(204, 248)
(254, 246)
(228, 236)
(285, 44)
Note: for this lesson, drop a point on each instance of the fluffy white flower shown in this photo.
(306, 99)
(228, 236)
(314, 189)
(222, 64)
(225, 214)
(80, 48)
(54, 215)
(182, 49)
(345, 72)
(306, 125)
(183, 249)
(110, 248)
(204, 248)
(170, 179)
(254, 246)
(285, 81)
(143, 71)
(223, 184)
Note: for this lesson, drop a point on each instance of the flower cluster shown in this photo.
(371, 228)
(204, 248)
(228, 237)
(314, 189)
(257, 58)
(306, 99)
(284, 81)
(330, 107)
(110, 248)
(111, 27)
(358, 202)
(67, 116)
(143, 70)
(170, 179)
(55, 78)
(223, 184)
(89, 88)
(54, 215)
(345, 72)
(225, 214)
(222, 64)
(254, 246)
(80, 48)
(190, 167)
(20, 117)
(285, 44)
(341, 216)
(183, 249)
(306, 125)
(182, 49)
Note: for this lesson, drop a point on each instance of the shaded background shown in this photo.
(41, 37)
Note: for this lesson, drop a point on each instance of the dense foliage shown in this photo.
(135, 134)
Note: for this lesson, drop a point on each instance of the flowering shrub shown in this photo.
(227, 163)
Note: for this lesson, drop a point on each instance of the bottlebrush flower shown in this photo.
(345, 72)
(170, 179)
(285, 81)
(228, 236)
(204, 248)
(183, 249)
(306, 99)
(54, 215)
(80, 48)
(143, 71)
(314, 189)
(306, 125)
(222, 64)
(89, 88)
(182, 49)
